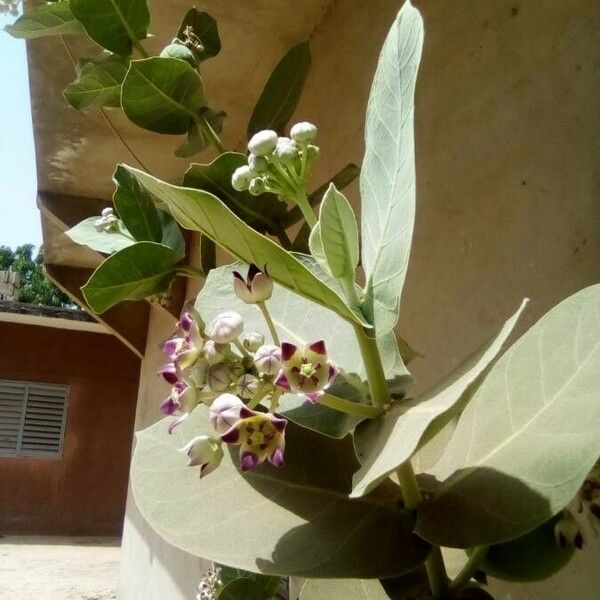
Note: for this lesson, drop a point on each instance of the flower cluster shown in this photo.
(279, 165)
(210, 585)
(232, 373)
(108, 221)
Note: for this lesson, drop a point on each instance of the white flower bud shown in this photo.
(108, 212)
(263, 142)
(224, 412)
(219, 377)
(258, 164)
(303, 132)
(286, 150)
(246, 386)
(204, 452)
(241, 178)
(253, 341)
(257, 186)
(215, 353)
(312, 152)
(225, 327)
(268, 359)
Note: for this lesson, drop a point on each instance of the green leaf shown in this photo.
(315, 244)
(260, 212)
(529, 436)
(136, 207)
(343, 589)
(387, 179)
(43, 20)
(134, 273)
(339, 234)
(98, 83)
(282, 92)
(391, 440)
(114, 24)
(164, 95)
(292, 521)
(204, 27)
(86, 234)
(197, 140)
(201, 211)
(244, 589)
(228, 574)
(171, 233)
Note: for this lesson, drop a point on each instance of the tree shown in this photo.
(35, 287)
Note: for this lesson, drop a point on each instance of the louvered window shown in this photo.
(32, 418)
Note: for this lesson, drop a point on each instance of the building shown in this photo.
(507, 164)
(67, 404)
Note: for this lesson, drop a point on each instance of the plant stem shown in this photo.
(436, 570)
(204, 126)
(267, 317)
(139, 47)
(350, 408)
(467, 572)
(301, 200)
(380, 394)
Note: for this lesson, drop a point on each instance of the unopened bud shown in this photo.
(312, 152)
(258, 164)
(246, 386)
(219, 377)
(179, 50)
(215, 353)
(225, 327)
(268, 359)
(253, 341)
(303, 132)
(286, 150)
(257, 186)
(241, 178)
(263, 142)
(204, 452)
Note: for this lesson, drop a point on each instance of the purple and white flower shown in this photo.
(205, 452)
(225, 327)
(182, 401)
(256, 287)
(306, 370)
(267, 359)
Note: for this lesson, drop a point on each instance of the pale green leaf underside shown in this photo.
(200, 211)
(338, 234)
(47, 19)
(134, 273)
(162, 94)
(98, 84)
(387, 180)
(529, 436)
(86, 234)
(292, 521)
(343, 589)
(392, 441)
(113, 24)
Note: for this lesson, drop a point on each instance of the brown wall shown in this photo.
(84, 492)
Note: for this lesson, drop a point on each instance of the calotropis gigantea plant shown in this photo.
(292, 443)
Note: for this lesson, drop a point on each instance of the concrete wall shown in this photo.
(84, 492)
(508, 196)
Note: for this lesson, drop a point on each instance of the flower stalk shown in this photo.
(470, 568)
(267, 316)
(353, 409)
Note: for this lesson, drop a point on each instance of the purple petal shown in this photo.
(177, 422)
(186, 321)
(279, 424)
(333, 370)
(245, 412)
(276, 459)
(288, 350)
(169, 372)
(314, 396)
(169, 406)
(248, 460)
(253, 271)
(282, 381)
(239, 276)
(318, 347)
(170, 347)
(231, 436)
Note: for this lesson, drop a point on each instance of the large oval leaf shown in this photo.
(98, 83)
(162, 94)
(200, 211)
(282, 91)
(392, 440)
(296, 520)
(387, 179)
(134, 273)
(343, 589)
(529, 436)
(204, 27)
(47, 19)
(114, 24)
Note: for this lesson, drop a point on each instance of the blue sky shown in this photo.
(19, 217)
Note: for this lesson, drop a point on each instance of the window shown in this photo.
(32, 418)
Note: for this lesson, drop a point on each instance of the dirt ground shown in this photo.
(53, 568)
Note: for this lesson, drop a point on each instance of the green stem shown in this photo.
(267, 317)
(380, 394)
(241, 348)
(204, 126)
(139, 47)
(350, 408)
(436, 570)
(301, 200)
(467, 572)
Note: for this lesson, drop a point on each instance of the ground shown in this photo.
(56, 568)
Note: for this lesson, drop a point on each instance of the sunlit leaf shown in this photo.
(44, 20)
(107, 242)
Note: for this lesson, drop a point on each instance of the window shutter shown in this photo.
(32, 419)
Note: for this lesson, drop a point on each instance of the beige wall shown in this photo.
(508, 196)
